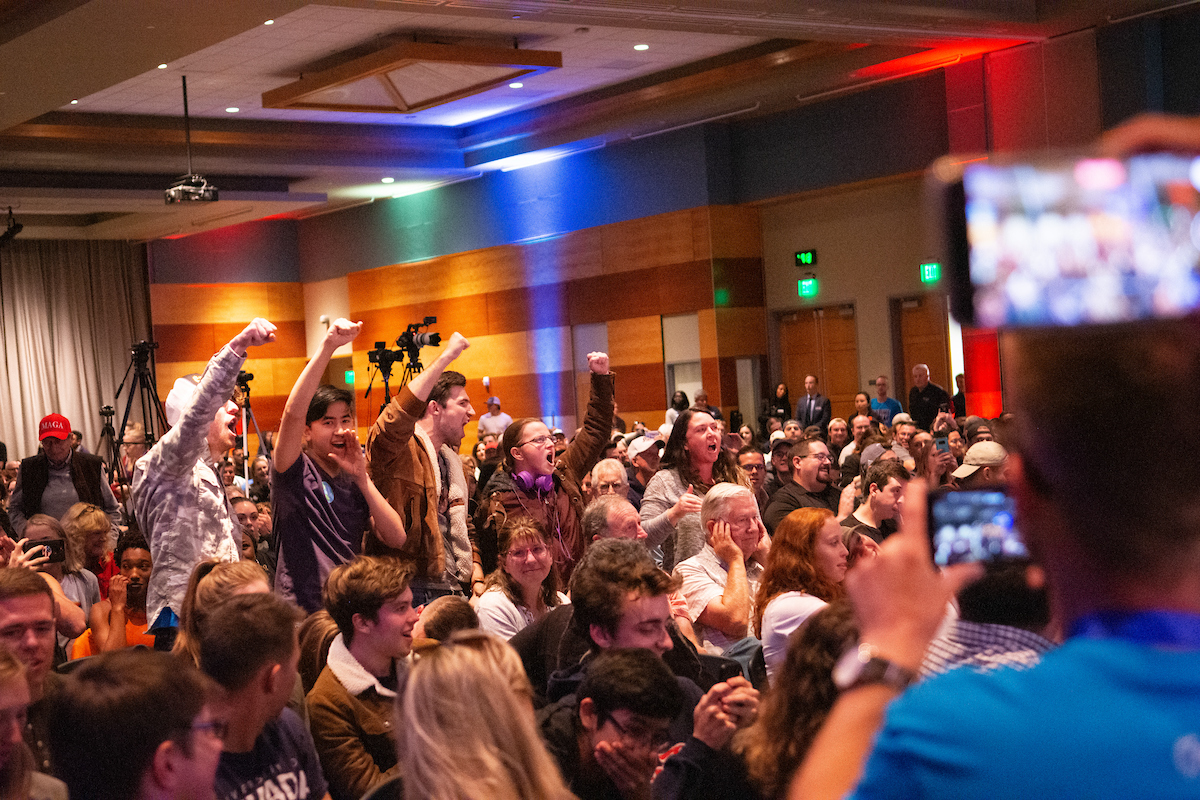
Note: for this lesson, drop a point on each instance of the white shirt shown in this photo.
(704, 576)
(783, 615)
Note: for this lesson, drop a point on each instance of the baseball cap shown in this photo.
(872, 452)
(981, 454)
(53, 426)
(903, 416)
(776, 436)
(493, 401)
(643, 443)
(180, 397)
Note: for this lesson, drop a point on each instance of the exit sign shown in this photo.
(806, 258)
(931, 272)
(808, 287)
(350, 377)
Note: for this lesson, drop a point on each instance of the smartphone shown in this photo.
(57, 549)
(974, 525)
(941, 441)
(1061, 239)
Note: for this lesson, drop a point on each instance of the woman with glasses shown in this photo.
(524, 587)
(532, 483)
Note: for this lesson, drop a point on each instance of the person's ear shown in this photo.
(361, 624)
(588, 716)
(165, 771)
(600, 636)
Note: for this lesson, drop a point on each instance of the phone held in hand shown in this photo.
(974, 525)
(55, 548)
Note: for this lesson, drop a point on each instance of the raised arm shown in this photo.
(292, 424)
(423, 384)
(585, 450)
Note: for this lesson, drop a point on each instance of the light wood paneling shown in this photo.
(576, 255)
(709, 347)
(736, 231)
(175, 303)
(741, 331)
(648, 242)
(635, 341)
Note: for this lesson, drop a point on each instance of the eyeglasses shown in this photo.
(653, 738)
(819, 456)
(538, 440)
(754, 467)
(215, 727)
(609, 488)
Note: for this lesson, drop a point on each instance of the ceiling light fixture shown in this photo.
(387, 180)
(162, 66)
(641, 47)
(232, 110)
(12, 230)
(190, 186)
(74, 102)
(515, 85)
(269, 22)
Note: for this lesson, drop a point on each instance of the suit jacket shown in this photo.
(822, 412)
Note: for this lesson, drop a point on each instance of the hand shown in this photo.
(31, 559)
(898, 596)
(342, 331)
(688, 503)
(846, 500)
(722, 542)
(1148, 132)
(258, 332)
(711, 724)
(630, 770)
(351, 460)
(7, 546)
(118, 592)
(741, 704)
(456, 345)
(764, 542)
(598, 363)
(944, 421)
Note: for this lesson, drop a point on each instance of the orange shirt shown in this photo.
(135, 634)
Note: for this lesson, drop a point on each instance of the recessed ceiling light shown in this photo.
(388, 180)
(517, 85)
(516, 16)
(74, 102)
(162, 66)
(269, 22)
(641, 47)
(232, 110)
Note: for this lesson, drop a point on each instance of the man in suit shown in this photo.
(814, 408)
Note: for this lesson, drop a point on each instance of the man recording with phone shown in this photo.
(1112, 712)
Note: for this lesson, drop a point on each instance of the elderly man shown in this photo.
(608, 477)
(58, 477)
(643, 453)
(720, 582)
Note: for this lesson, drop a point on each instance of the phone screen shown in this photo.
(942, 442)
(56, 549)
(1075, 241)
(973, 525)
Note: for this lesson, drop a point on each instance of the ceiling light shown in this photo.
(516, 16)
(388, 180)
(232, 110)
(641, 47)
(162, 66)
(269, 22)
(74, 102)
(515, 85)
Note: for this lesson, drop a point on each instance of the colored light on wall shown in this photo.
(350, 377)
(931, 272)
(808, 287)
(721, 297)
(806, 258)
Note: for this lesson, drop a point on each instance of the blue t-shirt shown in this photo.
(283, 765)
(319, 522)
(1098, 718)
(886, 410)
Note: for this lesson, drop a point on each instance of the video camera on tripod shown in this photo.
(409, 344)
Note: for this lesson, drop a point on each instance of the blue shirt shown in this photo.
(1098, 718)
(887, 409)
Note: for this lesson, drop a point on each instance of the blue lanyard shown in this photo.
(1175, 629)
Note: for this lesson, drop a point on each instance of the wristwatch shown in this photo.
(861, 665)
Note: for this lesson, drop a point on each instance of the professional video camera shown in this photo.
(411, 341)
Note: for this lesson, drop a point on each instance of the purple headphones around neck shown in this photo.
(527, 482)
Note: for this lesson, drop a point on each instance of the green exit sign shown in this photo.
(350, 377)
(806, 258)
(808, 287)
(931, 272)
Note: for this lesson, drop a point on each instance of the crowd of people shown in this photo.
(624, 613)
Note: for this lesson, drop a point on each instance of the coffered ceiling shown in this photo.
(91, 128)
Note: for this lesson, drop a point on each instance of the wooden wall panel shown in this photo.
(176, 303)
(640, 386)
(636, 341)
(544, 306)
(576, 255)
(736, 232)
(738, 282)
(648, 242)
(741, 331)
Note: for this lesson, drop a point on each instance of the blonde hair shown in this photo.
(74, 546)
(211, 583)
(465, 726)
(80, 520)
(16, 774)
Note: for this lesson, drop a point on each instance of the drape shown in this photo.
(69, 312)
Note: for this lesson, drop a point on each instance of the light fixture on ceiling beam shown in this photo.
(190, 187)
(410, 76)
(11, 230)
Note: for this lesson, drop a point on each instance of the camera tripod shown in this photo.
(383, 368)
(243, 382)
(142, 370)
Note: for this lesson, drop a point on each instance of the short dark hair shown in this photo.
(112, 713)
(131, 539)
(23, 583)
(445, 384)
(1003, 597)
(880, 472)
(801, 448)
(325, 396)
(609, 570)
(233, 501)
(748, 449)
(634, 679)
(448, 614)
(361, 586)
(244, 633)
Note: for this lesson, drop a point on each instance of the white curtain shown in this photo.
(69, 312)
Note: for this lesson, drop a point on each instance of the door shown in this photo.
(920, 328)
(821, 342)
